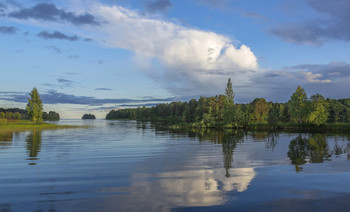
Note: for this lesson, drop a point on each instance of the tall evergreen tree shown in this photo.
(35, 106)
(229, 106)
(229, 93)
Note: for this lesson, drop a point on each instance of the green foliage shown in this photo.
(16, 113)
(260, 110)
(35, 107)
(17, 116)
(51, 116)
(88, 116)
(319, 110)
(189, 114)
(339, 111)
(275, 115)
(229, 93)
(229, 113)
(298, 106)
(219, 111)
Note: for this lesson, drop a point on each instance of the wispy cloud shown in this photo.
(158, 6)
(55, 97)
(49, 12)
(62, 84)
(57, 35)
(54, 49)
(8, 30)
(73, 56)
(252, 15)
(103, 89)
(219, 4)
(65, 82)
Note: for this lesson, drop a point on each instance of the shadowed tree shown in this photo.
(35, 106)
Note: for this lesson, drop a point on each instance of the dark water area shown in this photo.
(133, 166)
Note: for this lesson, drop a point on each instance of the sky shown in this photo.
(92, 56)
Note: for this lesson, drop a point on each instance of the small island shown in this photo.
(88, 116)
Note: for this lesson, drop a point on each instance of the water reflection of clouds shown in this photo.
(206, 187)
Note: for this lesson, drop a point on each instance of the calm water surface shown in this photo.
(133, 166)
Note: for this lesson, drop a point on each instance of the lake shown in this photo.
(135, 166)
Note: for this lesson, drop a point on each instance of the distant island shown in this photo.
(88, 116)
(299, 113)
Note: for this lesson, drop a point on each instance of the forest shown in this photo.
(21, 114)
(221, 111)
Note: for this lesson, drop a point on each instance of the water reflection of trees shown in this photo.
(33, 141)
(303, 149)
(6, 136)
(229, 142)
(227, 138)
(312, 149)
(6, 139)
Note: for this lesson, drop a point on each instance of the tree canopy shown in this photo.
(34, 107)
(229, 93)
(88, 116)
(51, 116)
(221, 111)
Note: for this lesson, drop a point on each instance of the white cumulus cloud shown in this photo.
(197, 60)
(185, 60)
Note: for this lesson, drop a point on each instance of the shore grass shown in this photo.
(24, 125)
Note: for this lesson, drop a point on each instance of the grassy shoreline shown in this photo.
(24, 125)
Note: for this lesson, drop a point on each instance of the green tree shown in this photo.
(319, 110)
(229, 93)
(275, 114)
(9, 115)
(229, 106)
(17, 115)
(298, 105)
(260, 110)
(190, 110)
(229, 112)
(35, 107)
(51, 116)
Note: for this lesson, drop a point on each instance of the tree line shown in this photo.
(221, 110)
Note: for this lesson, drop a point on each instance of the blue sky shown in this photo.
(90, 56)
